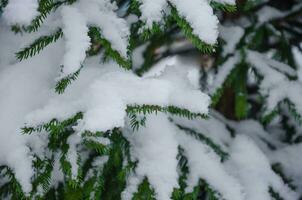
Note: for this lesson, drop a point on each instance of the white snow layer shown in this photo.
(275, 83)
(224, 71)
(199, 14)
(205, 164)
(290, 159)
(77, 39)
(103, 94)
(231, 35)
(101, 13)
(253, 170)
(20, 11)
(24, 86)
(152, 11)
(155, 148)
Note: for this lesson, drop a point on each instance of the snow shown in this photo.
(275, 84)
(20, 11)
(138, 56)
(108, 91)
(199, 14)
(224, 70)
(24, 86)
(298, 58)
(104, 90)
(77, 40)
(155, 147)
(231, 35)
(230, 2)
(253, 170)
(72, 154)
(290, 159)
(211, 128)
(204, 163)
(255, 131)
(152, 11)
(268, 13)
(114, 29)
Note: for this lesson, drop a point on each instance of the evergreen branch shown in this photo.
(208, 141)
(267, 118)
(147, 33)
(144, 191)
(101, 149)
(188, 31)
(179, 193)
(274, 194)
(13, 187)
(292, 110)
(135, 123)
(134, 8)
(223, 7)
(3, 3)
(62, 84)
(201, 188)
(45, 7)
(277, 168)
(38, 45)
(54, 125)
(148, 109)
(95, 34)
(44, 170)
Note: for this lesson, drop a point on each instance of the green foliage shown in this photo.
(148, 109)
(113, 172)
(188, 31)
(54, 126)
(95, 33)
(144, 192)
(45, 7)
(108, 180)
(223, 7)
(62, 84)
(12, 187)
(201, 191)
(38, 45)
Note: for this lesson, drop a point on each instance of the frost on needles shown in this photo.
(149, 99)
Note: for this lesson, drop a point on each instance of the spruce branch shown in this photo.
(62, 84)
(206, 140)
(38, 45)
(223, 7)
(188, 31)
(144, 191)
(54, 125)
(148, 109)
(13, 187)
(95, 34)
(45, 7)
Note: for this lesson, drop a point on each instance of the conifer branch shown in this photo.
(13, 187)
(223, 7)
(148, 109)
(208, 141)
(38, 45)
(188, 31)
(53, 125)
(95, 34)
(62, 84)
